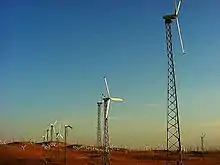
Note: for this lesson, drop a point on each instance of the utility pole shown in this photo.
(65, 135)
(65, 139)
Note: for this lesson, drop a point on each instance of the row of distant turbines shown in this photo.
(57, 135)
(54, 133)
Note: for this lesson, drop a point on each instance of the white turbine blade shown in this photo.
(106, 86)
(177, 8)
(107, 110)
(55, 122)
(179, 32)
(61, 136)
(116, 99)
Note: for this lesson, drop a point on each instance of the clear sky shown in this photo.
(54, 54)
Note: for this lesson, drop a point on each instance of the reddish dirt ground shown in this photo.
(34, 154)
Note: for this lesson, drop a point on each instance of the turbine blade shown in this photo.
(106, 86)
(61, 136)
(177, 8)
(107, 110)
(55, 122)
(116, 99)
(180, 35)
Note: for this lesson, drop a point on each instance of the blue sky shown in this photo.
(53, 56)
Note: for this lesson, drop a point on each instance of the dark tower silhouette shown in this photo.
(173, 123)
(99, 130)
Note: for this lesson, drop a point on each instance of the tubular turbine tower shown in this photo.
(173, 124)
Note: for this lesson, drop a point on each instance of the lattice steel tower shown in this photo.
(173, 124)
(106, 146)
(106, 160)
(99, 130)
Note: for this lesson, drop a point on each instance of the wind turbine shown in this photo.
(170, 18)
(65, 137)
(173, 124)
(52, 130)
(107, 100)
(58, 135)
(202, 141)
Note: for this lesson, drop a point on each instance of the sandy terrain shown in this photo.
(34, 154)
